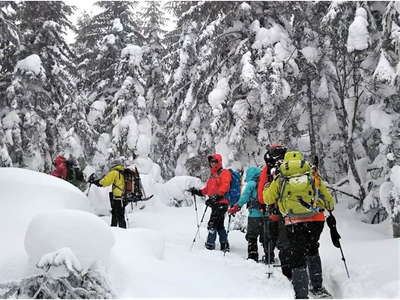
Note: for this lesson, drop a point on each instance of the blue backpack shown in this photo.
(233, 194)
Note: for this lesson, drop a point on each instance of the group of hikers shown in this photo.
(286, 199)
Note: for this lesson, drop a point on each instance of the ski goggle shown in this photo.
(212, 160)
(277, 153)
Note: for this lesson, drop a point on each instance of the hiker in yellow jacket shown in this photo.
(116, 179)
(301, 198)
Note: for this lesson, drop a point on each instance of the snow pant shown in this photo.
(283, 245)
(216, 225)
(255, 229)
(117, 212)
(303, 239)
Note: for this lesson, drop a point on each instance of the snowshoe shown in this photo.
(320, 293)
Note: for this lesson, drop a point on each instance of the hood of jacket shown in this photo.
(59, 160)
(252, 174)
(218, 166)
(118, 168)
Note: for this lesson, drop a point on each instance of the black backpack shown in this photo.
(74, 173)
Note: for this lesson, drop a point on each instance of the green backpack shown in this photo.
(296, 186)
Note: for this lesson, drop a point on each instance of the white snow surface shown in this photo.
(134, 54)
(218, 95)
(377, 118)
(84, 233)
(63, 256)
(31, 64)
(384, 71)
(358, 37)
(117, 26)
(153, 258)
(311, 54)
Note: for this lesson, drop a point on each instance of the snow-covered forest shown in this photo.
(230, 77)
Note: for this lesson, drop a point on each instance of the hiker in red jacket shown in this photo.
(217, 186)
(61, 168)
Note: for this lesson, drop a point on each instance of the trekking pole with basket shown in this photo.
(330, 220)
(335, 237)
(198, 228)
(195, 208)
(267, 235)
(229, 228)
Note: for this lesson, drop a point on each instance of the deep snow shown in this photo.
(153, 258)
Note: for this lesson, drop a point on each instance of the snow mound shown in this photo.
(88, 237)
(26, 193)
(174, 190)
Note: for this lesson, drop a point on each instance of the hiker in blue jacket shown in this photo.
(255, 222)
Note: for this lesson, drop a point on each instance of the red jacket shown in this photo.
(263, 182)
(61, 168)
(219, 182)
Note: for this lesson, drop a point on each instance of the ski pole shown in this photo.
(229, 224)
(267, 236)
(344, 261)
(229, 227)
(87, 193)
(335, 237)
(195, 208)
(198, 228)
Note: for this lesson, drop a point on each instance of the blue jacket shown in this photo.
(249, 195)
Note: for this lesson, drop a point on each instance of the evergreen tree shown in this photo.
(9, 45)
(42, 84)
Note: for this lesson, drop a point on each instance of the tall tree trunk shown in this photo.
(311, 124)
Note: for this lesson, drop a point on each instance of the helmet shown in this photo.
(275, 153)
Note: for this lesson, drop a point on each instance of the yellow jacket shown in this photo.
(115, 178)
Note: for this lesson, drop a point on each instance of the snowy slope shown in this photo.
(371, 254)
(153, 258)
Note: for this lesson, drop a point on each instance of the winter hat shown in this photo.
(116, 162)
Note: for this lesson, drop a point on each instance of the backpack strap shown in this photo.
(116, 186)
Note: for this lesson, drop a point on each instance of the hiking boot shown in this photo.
(253, 256)
(320, 293)
(225, 246)
(300, 282)
(210, 246)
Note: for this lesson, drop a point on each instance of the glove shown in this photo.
(263, 208)
(97, 182)
(335, 236)
(212, 200)
(234, 209)
(195, 191)
(91, 178)
(272, 209)
(331, 221)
